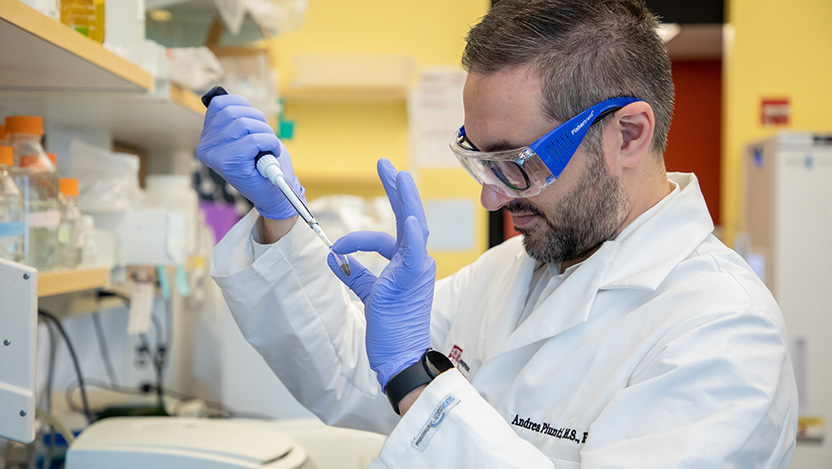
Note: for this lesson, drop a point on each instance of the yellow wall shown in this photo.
(343, 139)
(779, 49)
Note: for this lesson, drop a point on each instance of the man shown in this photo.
(617, 332)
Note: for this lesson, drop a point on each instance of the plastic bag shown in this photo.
(107, 181)
(194, 67)
(232, 13)
(277, 16)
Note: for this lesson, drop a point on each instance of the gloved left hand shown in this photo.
(397, 304)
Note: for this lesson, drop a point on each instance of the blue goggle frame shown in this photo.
(554, 149)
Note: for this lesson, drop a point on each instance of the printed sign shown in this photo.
(775, 111)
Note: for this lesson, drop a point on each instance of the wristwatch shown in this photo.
(431, 365)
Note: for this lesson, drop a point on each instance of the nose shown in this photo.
(492, 199)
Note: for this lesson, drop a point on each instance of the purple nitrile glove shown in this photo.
(397, 304)
(232, 135)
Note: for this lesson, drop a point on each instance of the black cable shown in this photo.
(157, 325)
(168, 315)
(162, 351)
(102, 347)
(162, 346)
(68, 342)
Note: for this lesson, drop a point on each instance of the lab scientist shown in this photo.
(617, 331)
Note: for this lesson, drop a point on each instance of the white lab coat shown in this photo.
(663, 349)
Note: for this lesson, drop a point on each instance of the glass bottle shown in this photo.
(12, 225)
(70, 238)
(37, 181)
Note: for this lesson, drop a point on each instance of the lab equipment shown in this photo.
(788, 227)
(267, 166)
(183, 443)
(526, 171)
(398, 302)
(18, 329)
(70, 239)
(37, 181)
(12, 223)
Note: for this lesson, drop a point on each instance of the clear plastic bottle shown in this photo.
(89, 249)
(12, 224)
(37, 181)
(70, 235)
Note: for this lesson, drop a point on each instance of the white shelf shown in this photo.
(39, 53)
(170, 118)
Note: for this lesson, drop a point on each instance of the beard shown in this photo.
(584, 219)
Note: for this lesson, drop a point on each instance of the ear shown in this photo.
(634, 125)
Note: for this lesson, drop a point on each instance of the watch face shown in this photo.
(437, 363)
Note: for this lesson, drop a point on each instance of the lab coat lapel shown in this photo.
(507, 306)
(653, 249)
(569, 305)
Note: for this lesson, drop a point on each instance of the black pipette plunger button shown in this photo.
(215, 91)
(219, 91)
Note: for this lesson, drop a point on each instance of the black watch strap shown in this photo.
(431, 365)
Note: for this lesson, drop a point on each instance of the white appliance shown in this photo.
(788, 239)
(18, 329)
(183, 443)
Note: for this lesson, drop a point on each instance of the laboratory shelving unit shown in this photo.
(40, 53)
(70, 80)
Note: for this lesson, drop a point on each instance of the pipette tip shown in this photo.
(343, 262)
(346, 269)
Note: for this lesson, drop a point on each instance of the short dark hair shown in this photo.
(584, 51)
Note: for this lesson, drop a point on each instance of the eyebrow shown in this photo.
(501, 145)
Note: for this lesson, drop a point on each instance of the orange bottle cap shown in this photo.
(53, 158)
(68, 186)
(6, 155)
(2, 132)
(24, 125)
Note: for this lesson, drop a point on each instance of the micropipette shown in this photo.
(267, 166)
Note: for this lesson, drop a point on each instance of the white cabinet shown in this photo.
(788, 219)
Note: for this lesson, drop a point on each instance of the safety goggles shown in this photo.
(526, 171)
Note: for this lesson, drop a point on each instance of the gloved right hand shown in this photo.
(232, 135)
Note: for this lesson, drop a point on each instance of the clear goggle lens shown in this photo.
(514, 173)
